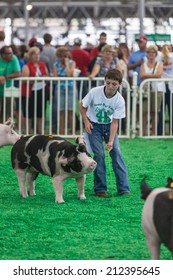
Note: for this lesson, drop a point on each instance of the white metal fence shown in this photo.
(51, 121)
(155, 103)
(149, 111)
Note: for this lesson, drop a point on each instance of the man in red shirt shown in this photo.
(80, 56)
(82, 59)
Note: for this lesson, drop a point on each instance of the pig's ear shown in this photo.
(12, 125)
(80, 140)
(82, 148)
(65, 161)
(9, 121)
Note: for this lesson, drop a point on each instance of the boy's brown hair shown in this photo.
(114, 74)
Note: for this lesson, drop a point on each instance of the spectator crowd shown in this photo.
(45, 60)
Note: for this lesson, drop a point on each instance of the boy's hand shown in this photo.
(109, 146)
(2, 80)
(88, 126)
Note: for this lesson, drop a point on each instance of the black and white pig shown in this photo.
(52, 156)
(7, 134)
(157, 217)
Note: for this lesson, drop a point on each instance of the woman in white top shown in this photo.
(151, 69)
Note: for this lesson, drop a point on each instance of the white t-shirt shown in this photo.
(102, 109)
(160, 57)
(168, 71)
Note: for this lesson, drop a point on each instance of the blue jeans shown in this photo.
(168, 101)
(101, 132)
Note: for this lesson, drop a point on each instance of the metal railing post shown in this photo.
(134, 103)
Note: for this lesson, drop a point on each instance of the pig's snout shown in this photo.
(92, 165)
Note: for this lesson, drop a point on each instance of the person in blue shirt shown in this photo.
(138, 57)
(135, 61)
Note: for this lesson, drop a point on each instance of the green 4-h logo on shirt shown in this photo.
(103, 117)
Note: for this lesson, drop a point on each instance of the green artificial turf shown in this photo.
(94, 229)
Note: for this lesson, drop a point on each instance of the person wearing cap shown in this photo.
(138, 57)
(77, 41)
(80, 56)
(102, 40)
(32, 42)
(82, 59)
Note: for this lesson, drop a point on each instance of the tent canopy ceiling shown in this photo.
(94, 9)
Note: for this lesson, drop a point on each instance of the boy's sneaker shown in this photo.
(102, 194)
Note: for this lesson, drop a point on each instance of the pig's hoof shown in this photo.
(82, 197)
(32, 193)
(60, 201)
(24, 195)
